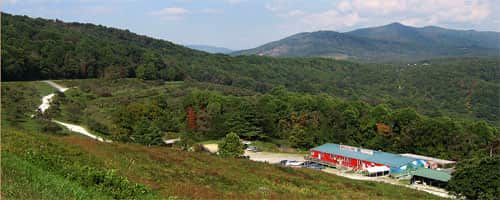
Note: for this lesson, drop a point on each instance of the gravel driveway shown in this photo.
(273, 158)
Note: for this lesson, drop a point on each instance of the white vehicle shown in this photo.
(291, 163)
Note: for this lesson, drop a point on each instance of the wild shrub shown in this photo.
(50, 127)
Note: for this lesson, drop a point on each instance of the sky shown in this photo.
(243, 24)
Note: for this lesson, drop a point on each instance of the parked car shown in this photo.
(252, 148)
(291, 163)
(243, 157)
(313, 165)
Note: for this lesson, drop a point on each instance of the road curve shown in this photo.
(72, 127)
(57, 86)
(79, 129)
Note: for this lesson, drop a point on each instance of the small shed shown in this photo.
(431, 177)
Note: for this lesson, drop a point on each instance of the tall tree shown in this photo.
(477, 178)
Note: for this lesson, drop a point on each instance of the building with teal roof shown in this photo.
(361, 158)
(438, 178)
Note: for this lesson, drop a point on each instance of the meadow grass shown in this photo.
(166, 172)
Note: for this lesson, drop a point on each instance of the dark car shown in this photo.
(283, 162)
(243, 157)
(312, 165)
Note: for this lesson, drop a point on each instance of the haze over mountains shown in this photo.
(209, 48)
(136, 91)
(385, 43)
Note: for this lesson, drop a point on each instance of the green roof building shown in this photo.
(431, 177)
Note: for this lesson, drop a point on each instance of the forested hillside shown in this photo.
(41, 161)
(34, 49)
(390, 43)
(135, 111)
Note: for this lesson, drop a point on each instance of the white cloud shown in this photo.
(291, 14)
(331, 19)
(171, 13)
(271, 7)
(379, 6)
(344, 6)
(347, 13)
(295, 13)
(421, 11)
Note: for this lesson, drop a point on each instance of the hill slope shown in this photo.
(392, 42)
(39, 163)
(34, 49)
(210, 49)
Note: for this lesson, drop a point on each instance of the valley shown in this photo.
(95, 112)
(130, 170)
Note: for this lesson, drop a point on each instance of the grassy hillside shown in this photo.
(39, 163)
(44, 166)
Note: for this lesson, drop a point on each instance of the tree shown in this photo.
(300, 138)
(477, 178)
(146, 133)
(146, 71)
(231, 146)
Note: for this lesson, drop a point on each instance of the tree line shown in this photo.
(302, 121)
(34, 49)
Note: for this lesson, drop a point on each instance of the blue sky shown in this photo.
(241, 24)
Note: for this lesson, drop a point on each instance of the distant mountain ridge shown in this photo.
(210, 49)
(38, 49)
(390, 42)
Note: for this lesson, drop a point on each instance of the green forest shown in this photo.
(138, 90)
(36, 49)
(131, 110)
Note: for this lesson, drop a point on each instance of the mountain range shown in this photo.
(384, 43)
(210, 49)
(38, 49)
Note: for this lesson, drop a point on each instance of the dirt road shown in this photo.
(273, 158)
(81, 130)
(212, 148)
(72, 127)
(57, 86)
(46, 102)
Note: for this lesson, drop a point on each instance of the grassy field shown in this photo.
(38, 165)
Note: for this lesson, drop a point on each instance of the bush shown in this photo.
(477, 178)
(231, 146)
(108, 181)
(51, 127)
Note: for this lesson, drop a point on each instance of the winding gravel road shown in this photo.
(46, 100)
